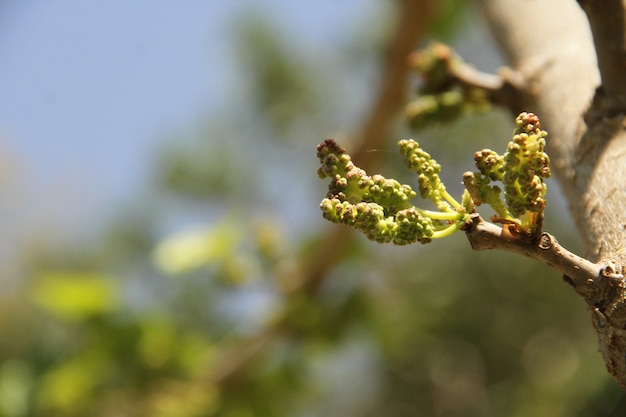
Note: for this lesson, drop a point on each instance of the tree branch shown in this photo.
(412, 23)
(502, 89)
(582, 274)
(607, 19)
(588, 143)
(413, 20)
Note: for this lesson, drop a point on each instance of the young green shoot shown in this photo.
(383, 210)
(522, 170)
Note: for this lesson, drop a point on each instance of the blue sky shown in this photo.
(89, 90)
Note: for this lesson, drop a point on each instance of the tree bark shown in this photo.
(573, 63)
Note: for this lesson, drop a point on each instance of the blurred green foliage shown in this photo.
(162, 317)
(279, 79)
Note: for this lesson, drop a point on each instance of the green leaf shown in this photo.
(195, 248)
(70, 385)
(16, 382)
(73, 295)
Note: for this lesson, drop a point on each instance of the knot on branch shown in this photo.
(546, 241)
(613, 273)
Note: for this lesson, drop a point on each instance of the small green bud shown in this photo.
(490, 164)
(412, 227)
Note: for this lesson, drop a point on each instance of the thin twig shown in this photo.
(413, 19)
(585, 276)
(502, 89)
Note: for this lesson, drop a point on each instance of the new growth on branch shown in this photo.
(383, 210)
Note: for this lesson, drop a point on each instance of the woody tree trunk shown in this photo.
(572, 59)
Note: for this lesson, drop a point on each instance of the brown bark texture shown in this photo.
(571, 57)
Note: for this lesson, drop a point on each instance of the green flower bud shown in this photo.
(412, 227)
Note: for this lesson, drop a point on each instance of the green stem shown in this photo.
(447, 231)
(451, 200)
(442, 215)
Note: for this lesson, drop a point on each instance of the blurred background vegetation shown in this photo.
(221, 291)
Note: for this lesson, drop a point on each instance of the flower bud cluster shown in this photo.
(380, 207)
(352, 184)
(441, 96)
(427, 169)
(490, 164)
(406, 226)
(369, 204)
(527, 165)
(435, 108)
(522, 170)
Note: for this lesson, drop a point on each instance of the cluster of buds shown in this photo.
(381, 208)
(427, 170)
(441, 96)
(527, 165)
(521, 170)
